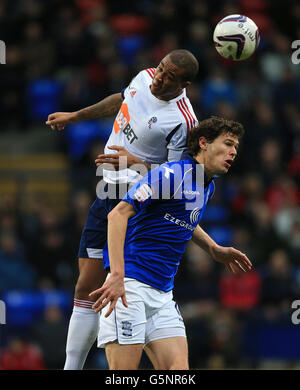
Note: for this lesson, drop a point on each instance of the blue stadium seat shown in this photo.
(223, 235)
(43, 97)
(23, 308)
(215, 213)
(79, 136)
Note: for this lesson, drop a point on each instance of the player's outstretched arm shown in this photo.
(113, 288)
(234, 260)
(105, 108)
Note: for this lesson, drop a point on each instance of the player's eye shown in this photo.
(231, 145)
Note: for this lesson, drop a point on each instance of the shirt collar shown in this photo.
(207, 181)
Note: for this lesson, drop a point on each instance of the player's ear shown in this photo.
(203, 143)
(185, 84)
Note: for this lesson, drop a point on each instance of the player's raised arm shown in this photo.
(105, 108)
(113, 288)
(235, 261)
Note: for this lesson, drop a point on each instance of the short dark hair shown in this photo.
(211, 129)
(186, 60)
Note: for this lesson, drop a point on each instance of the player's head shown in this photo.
(214, 143)
(175, 71)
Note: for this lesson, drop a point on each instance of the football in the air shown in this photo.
(236, 37)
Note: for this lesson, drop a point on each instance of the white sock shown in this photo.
(82, 333)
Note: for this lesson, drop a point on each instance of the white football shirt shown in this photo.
(151, 129)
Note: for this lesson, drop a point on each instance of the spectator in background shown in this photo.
(48, 250)
(197, 294)
(252, 87)
(283, 196)
(240, 292)
(278, 282)
(294, 242)
(12, 89)
(274, 62)
(52, 259)
(50, 333)
(263, 233)
(270, 161)
(200, 284)
(264, 127)
(38, 51)
(224, 335)
(21, 355)
(198, 43)
(76, 90)
(249, 192)
(167, 18)
(168, 42)
(81, 201)
(15, 272)
(218, 87)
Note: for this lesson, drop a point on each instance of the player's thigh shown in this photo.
(165, 338)
(168, 353)
(91, 271)
(91, 277)
(90, 254)
(123, 357)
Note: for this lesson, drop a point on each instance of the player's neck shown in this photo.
(168, 96)
(201, 160)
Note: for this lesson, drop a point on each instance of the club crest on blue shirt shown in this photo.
(151, 121)
(144, 192)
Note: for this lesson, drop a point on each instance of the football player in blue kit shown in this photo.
(147, 235)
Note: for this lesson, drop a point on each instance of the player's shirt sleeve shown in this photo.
(125, 91)
(177, 143)
(156, 185)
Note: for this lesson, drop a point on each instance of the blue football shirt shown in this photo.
(169, 202)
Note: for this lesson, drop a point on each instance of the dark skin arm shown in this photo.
(105, 108)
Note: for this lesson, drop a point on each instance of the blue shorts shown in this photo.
(94, 234)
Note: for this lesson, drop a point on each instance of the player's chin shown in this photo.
(156, 89)
(223, 170)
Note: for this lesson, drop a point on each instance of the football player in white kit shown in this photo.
(153, 120)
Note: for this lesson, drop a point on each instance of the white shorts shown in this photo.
(151, 315)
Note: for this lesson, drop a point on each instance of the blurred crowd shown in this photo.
(63, 56)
